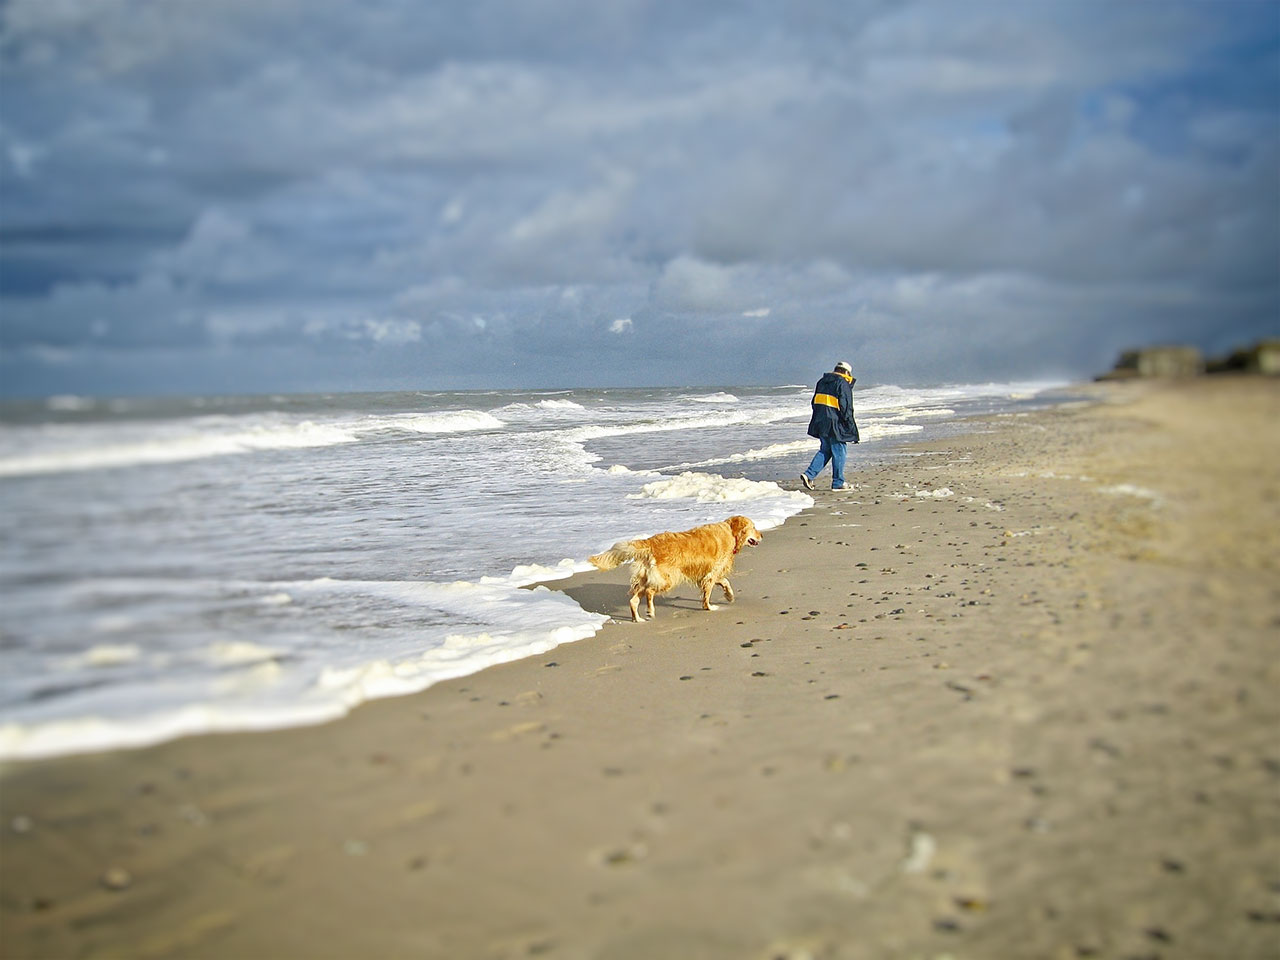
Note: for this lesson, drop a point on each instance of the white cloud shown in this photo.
(575, 214)
(621, 325)
(453, 211)
(393, 330)
(226, 326)
(690, 284)
(23, 158)
(219, 247)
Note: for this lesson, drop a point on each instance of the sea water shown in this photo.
(180, 565)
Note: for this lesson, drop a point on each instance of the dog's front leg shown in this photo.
(707, 586)
(728, 591)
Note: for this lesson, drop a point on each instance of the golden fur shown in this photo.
(703, 555)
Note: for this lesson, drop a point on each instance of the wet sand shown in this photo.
(1015, 695)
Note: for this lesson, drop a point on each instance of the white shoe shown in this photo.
(808, 484)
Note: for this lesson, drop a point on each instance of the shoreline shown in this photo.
(1033, 717)
(72, 735)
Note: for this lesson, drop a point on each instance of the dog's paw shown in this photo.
(712, 606)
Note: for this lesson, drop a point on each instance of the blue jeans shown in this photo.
(831, 451)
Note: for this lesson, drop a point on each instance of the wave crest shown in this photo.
(449, 421)
(174, 449)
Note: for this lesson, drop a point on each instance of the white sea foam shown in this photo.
(767, 504)
(716, 398)
(91, 734)
(586, 434)
(771, 452)
(459, 655)
(104, 655)
(549, 411)
(707, 488)
(884, 431)
(757, 416)
(527, 573)
(558, 405)
(889, 397)
(69, 403)
(917, 413)
(253, 680)
(265, 695)
(240, 652)
(65, 448)
(939, 494)
(173, 448)
(447, 421)
(114, 623)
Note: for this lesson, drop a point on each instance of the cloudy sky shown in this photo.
(291, 195)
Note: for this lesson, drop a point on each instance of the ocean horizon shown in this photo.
(182, 565)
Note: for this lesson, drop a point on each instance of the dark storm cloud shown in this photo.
(290, 194)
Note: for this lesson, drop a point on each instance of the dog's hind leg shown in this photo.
(648, 596)
(635, 604)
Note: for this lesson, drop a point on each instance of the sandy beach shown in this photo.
(1015, 695)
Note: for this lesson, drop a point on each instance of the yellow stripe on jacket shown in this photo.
(827, 400)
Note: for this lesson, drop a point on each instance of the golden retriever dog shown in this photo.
(703, 555)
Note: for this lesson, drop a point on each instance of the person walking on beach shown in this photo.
(832, 424)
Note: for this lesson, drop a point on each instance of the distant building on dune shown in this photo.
(1181, 361)
(1163, 361)
(1262, 357)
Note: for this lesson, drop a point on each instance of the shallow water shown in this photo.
(181, 565)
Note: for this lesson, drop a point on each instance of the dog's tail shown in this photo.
(624, 551)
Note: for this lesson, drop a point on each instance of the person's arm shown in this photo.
(846, 411)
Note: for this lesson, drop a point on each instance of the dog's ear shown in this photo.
(738, 526)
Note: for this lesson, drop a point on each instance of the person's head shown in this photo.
(843, 367)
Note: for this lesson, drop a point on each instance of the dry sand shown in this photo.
(1014, 696)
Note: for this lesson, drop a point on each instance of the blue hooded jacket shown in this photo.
(833, 409)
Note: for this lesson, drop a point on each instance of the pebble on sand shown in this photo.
(923, 847)
(116, 878)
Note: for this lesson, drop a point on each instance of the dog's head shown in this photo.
(744, 532)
